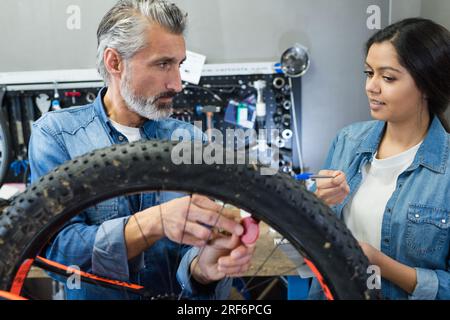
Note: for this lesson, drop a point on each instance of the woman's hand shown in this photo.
(371, 253)
(332, 191)
(402, 275)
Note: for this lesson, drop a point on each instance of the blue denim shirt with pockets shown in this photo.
(94, 239)
(416, 221)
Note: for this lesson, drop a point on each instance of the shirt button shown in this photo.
(443, 221)
(417, 216)
(120, 138)
(389, 210)
(386, 240)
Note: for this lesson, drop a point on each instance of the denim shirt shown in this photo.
(416, 221)
(94, 239)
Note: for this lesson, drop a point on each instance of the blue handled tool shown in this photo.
(312, 176)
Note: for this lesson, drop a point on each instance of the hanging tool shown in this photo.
(278, 82)
(90, 97)
(20, 148)
(242, 114)
(17, 127)
(29, 117)
(193, 86)
(259, 85)
(72, 94)
(209, 112)
(43, 103)
(262, 146)
(55, 102)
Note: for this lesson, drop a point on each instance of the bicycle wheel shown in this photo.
(283, 203)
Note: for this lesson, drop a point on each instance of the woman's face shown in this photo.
(392, 92)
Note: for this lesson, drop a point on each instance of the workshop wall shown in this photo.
(225, 31)
(439, 11)
(402, 9)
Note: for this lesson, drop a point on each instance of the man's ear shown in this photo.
(113, 62)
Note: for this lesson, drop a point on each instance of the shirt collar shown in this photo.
(433, 152)
(149, 127)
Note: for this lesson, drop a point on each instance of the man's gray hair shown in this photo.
(124, 27)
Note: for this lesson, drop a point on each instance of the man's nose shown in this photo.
(174, 82)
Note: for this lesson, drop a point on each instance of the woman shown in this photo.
(392, 175)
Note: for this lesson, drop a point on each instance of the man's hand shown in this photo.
(186, 220)
(189, 220)
(223, 256)
(332, 191)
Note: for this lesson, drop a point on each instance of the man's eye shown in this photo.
(369, 74)
(163, 65)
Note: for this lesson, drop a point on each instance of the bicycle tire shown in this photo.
(280, 201)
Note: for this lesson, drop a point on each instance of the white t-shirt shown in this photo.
(363, 214)
(132, 134)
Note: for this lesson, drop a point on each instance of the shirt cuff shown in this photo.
(427, 285)
(191, 289)
(110, 257)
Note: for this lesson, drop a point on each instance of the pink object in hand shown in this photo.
(251, 230)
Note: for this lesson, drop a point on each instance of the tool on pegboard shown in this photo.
(29, 116)
(260, 85)
(43, 103)
(193, 86)
(56, 105)
(90, 97)
(241, 113)
(209, 111)
(73, 94)
(20, 148)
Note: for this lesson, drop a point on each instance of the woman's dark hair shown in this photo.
(423, 48)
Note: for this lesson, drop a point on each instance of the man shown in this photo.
(136, 238)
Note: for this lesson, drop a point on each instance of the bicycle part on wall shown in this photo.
(295, 61)
(21, 108)
(5, 145)
(217, 92)
(220, 90)
(284, 204)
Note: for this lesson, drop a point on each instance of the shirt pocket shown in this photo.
(103, 211)
(427, 229)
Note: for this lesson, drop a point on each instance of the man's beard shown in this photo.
(147, 107)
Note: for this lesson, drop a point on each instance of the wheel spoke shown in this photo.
(166, 253)
(202, 248)
(262, 265)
